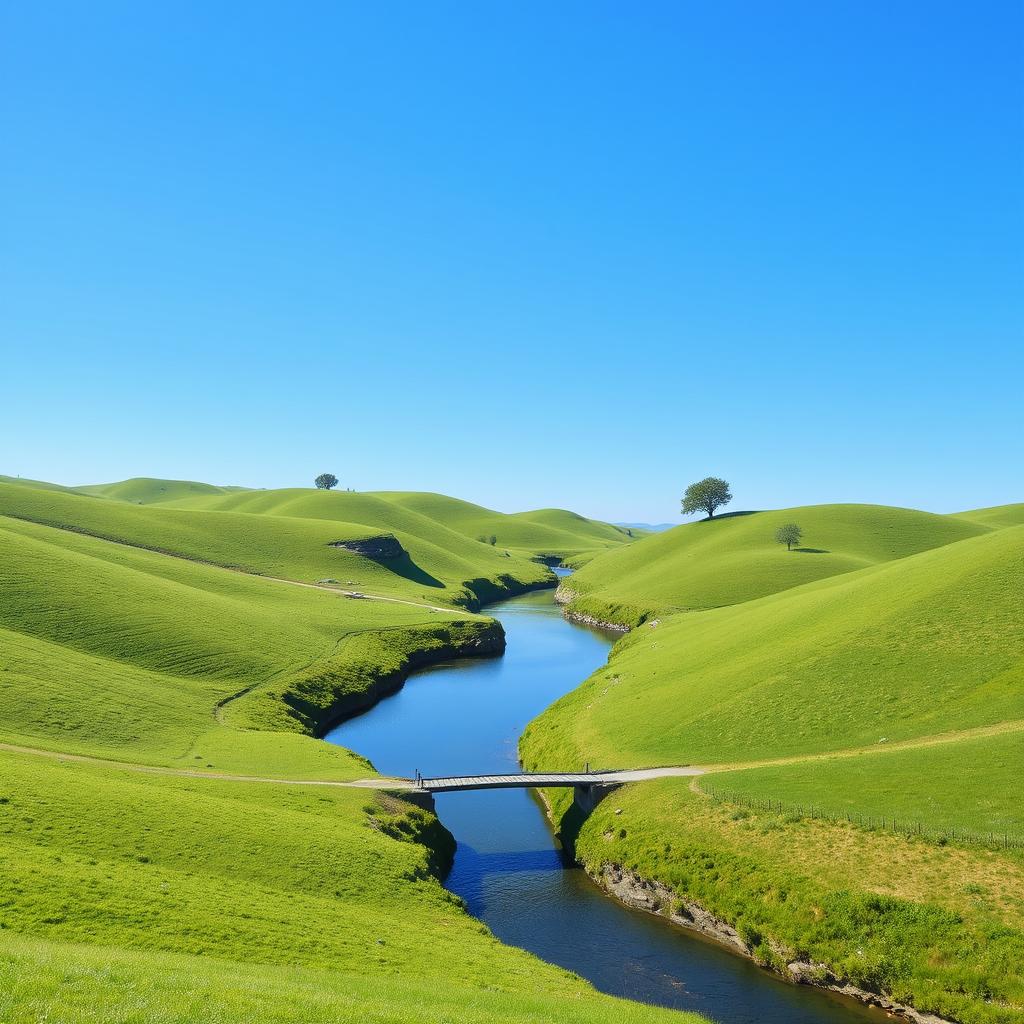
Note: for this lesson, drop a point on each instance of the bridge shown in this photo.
(589, 788)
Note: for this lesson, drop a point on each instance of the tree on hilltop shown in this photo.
(789, 534)
(707, 495)
(325, 481)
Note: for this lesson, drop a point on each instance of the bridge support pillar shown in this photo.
(420, 797)
(587, 797)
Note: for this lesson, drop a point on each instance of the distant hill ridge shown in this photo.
(549, 533)
(735, 558)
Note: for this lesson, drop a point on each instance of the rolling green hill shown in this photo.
(892, 693)
(547, 533)
(907, 648)
(39, 484)
(110, 649)
(144, 490)
(135, 891)
(997, 517)
(438, 565)
(735, 558)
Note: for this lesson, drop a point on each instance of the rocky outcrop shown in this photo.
(380, 549)
(655, 898)
(565, 596)
(592, 620)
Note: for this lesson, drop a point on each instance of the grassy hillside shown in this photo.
(996, 517)
(440, 565)
(145, 490)
(90, 627)
(20, 481)
(892, 691)
(965, 785)
(938, 927)
(148, 899)
(911, 647)
(735, 558)
(547, 532)
(134, 890)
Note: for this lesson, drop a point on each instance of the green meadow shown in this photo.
(439, 565)
(890, 688)
(136, 654)
(550, 533)
(735, 558)
(170, 651)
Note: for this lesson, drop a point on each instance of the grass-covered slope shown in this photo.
(112, 649)
(894, 695)
(936, 927)
(735, 558)
(996, 517)
(546, 532)
(20, 481)
(439, 565)
(135, 891)
(146, 490)
(141, 899)
(911, 647)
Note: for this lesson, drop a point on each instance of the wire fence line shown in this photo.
(889, 823)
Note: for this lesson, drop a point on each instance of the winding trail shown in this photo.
(378, 782)
(618, 776)
(355, 594)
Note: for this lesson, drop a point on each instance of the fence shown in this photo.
(912, 829)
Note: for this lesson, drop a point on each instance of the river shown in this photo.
(465, 718)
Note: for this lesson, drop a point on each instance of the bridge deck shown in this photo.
(548, 780)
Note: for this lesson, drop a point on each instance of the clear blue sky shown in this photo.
(529, 253)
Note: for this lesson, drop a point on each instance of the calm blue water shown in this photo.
(466, 719)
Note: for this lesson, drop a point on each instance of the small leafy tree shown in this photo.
(789, 534)
(325, 481)
(707, 495)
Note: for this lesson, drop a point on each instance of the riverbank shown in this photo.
(652, 897)
(682, 911)
(605, 615)
(460, 718)
(924, 931)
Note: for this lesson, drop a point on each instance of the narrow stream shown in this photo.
(465, 719)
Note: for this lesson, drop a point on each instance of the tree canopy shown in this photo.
(325, 481)
(706, 495)
(789, 534)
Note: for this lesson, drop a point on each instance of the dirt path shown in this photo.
(355, 594)
(625, 775)
(381, 782)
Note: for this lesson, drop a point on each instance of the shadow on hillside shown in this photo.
(730, 515)
(814, 551)
(405, 566)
